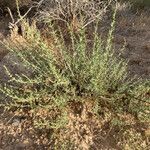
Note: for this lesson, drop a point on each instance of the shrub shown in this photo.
(71, 81)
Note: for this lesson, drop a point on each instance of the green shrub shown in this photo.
(66, 75)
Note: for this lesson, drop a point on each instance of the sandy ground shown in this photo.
(133, 31)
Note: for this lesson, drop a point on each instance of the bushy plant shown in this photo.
(67, 76)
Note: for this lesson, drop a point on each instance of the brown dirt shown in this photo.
(133, 33)
(16, 132)
(12, 3)
(135, 30)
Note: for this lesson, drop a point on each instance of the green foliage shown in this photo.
(75, 73)
(69, 73)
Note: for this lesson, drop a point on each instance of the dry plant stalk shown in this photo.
(77, 13)
(13, 23)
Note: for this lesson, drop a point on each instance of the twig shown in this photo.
(10, 13)
(13, 23)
